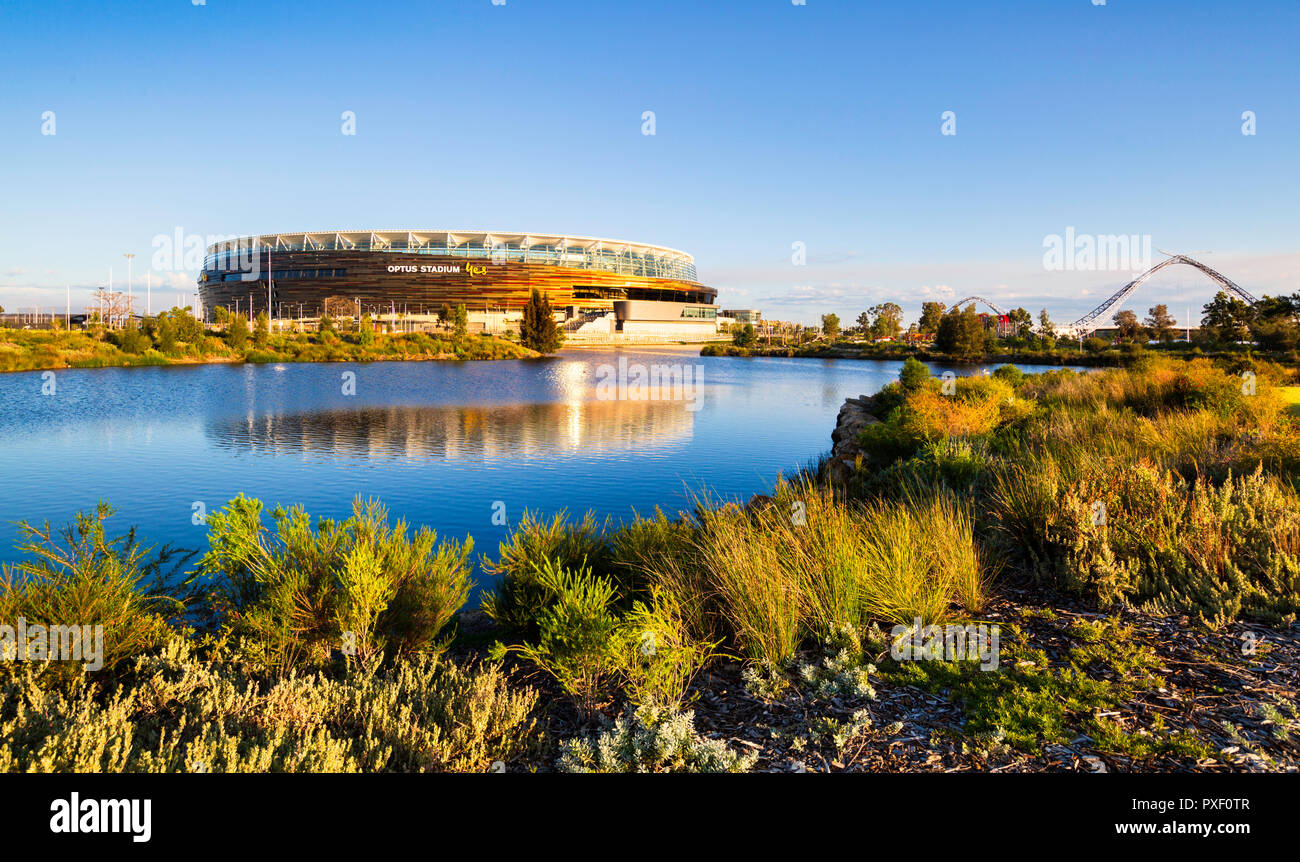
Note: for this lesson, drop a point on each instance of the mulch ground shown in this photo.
(1212, 680)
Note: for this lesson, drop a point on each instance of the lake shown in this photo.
(446, 444)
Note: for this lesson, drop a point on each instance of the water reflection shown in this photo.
(485, 434)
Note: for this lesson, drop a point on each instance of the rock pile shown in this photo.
(854, 416)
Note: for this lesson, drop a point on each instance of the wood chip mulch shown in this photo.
(1216, 684)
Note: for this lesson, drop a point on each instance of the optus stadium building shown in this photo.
(598, 287)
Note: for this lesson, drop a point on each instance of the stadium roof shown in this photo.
(419, 239)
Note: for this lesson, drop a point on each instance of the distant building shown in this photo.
(742, 315)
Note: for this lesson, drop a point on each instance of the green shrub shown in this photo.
(915, 375)
(518, 599)
(237, 332)
(360, 586)
(78, 576)
(576, 640)
(658, 654)
(1010, 374)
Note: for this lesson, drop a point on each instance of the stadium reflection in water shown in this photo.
(497, 433)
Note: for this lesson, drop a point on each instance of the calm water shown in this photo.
(438, 442)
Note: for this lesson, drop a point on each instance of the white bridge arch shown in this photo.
(1084, 323)
(959, 303)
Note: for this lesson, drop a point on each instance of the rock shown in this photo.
(855, 415)
(839, 471)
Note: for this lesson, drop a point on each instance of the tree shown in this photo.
(1276, 323)
(461, 320)
(864, 323)
(186, 327)
(1161, 323)
(261, 329)
(1022, 322)
(537, 330)
(962, 334)
(1046, 328)
(1226, 319)
(931, 315)
(444, 314)
(888, 321)
(163, 331)
(131, 339)
(744, 336)
(1127, 324)
(830, 325)
(366, 334)
(237, 331)
(113, 306)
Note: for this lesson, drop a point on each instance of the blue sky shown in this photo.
(774, 124)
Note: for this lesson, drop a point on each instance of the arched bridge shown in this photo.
(1083, 323)
(961, 302)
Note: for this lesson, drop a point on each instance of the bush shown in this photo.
(915, 375)
(1217, 553)
(183, 713)
(652, 740)
(130, 339)
(518, 598)
(658, 654)
(261, 330)
(644, 545)
(360, 586)
(80, 577)
(576, 641)
(1009, 374)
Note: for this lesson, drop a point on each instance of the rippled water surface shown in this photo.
(437, 442)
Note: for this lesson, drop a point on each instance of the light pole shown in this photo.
(129, 258)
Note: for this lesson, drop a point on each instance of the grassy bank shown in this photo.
(1067, 353)
(1126, 532)
(36, 350)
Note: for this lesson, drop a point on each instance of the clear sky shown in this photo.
(775, 124)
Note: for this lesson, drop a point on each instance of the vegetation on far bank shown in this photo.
(176, 338)
(1269, 328)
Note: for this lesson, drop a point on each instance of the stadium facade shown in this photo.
(596, 285)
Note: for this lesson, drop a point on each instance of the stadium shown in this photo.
(598, 287)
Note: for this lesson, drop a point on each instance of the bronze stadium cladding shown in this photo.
(479, 283)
